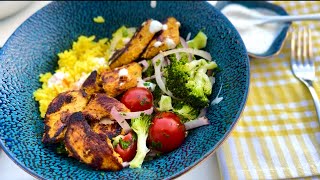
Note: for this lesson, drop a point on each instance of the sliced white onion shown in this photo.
(145, 65)
(125, 164)
(203, 112)
(178, 56)
(122, 122)
(149, 85)
(153, 153)
(202, 121)
(188, 36)
(197, 52)
(131, 115)
(185, 45)
(151, 77)
(212, 79)
(166, 61)
(157, 72)
(218, 99)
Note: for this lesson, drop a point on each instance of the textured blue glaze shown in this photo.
(279, 40)
(33, 48)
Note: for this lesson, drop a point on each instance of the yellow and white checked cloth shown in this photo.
(278, 135)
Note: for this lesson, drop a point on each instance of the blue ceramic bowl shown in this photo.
(33, 48)
(278, 43)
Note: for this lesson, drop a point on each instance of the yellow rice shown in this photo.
(99, 19)
(77, 62)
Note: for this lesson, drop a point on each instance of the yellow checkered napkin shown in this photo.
(278, 135)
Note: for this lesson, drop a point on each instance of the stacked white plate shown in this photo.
(8, 8)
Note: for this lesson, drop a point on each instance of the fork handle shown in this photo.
(315, 98)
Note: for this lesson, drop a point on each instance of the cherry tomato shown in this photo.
(166, 132)
(127, 147)
(137, 99)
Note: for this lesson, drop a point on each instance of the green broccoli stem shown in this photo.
(211, 65)
(142, 151)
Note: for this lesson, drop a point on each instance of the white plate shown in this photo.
(8, 8)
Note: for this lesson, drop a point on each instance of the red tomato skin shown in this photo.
(129, 153)
(167, 130)
(137, 99)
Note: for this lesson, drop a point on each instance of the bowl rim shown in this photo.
(195, 163)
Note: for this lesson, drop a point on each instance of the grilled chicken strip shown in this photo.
(169, 38)
(100, 106)
(121, 79)
(58, 113)
(136, 45)
(113, 82)
(89, 147)
(110, 130)
(92, 84)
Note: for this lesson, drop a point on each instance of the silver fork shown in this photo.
(302, 61)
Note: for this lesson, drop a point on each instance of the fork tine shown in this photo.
(310, 44)
(299, 48)
(293, 47)
(310, 48)
(305, 46)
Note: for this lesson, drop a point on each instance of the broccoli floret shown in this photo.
(157, 93)
(140, 126)
(189, 82)
(199, 41)
(185, 111)
(165, 103)
(150, 70)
